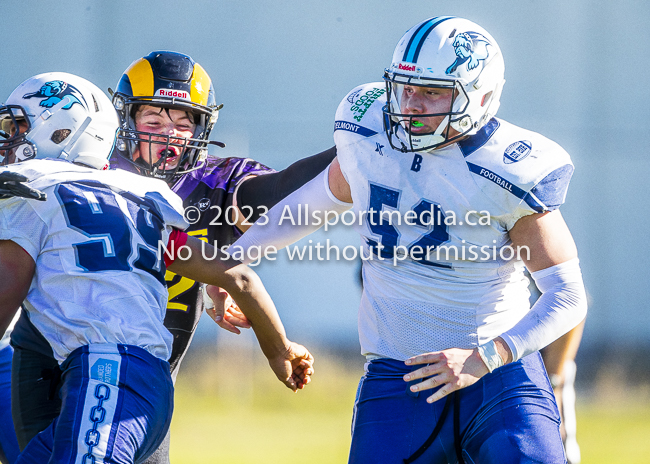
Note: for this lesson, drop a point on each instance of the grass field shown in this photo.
(235, 412)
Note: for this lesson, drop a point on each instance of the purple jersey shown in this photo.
(208, 192)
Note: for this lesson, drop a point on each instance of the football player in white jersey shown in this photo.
(186, 115)
(11, 185)
(453, 203)
(86, 261)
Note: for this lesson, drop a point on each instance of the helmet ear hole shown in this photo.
(60, 135)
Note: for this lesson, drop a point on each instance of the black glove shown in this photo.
(11, 186)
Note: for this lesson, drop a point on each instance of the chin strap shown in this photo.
(65, 152)
(441, 127)
(418, 142)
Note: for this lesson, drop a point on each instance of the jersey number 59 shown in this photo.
(93, 210)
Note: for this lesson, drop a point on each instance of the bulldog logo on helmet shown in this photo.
(470, 48)
(54, 92)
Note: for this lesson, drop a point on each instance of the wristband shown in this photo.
(207, 301)
(490, 355)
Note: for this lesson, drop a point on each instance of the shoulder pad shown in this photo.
(360, 112)
(534, 170)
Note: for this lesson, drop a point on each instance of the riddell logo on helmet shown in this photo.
(173, 93)
(406, 67)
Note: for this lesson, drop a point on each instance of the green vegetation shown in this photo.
(233, 411)
(611, 435)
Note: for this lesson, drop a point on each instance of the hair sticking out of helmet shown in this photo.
(444, 83)
(176, 83)
(58, 115)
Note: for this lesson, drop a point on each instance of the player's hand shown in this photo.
(451, 369)
(294, 367)
(224, 311)
(11, 185)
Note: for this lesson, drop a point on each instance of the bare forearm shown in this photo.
(193, 264)
(11, 297)
(6, 316)
(503, 349)
(17, 269)
(257, 306)
(243, 285)
(562, 350)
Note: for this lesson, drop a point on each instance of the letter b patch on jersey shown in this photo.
(417, 163)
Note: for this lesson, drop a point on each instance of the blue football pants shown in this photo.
(509, 416)
(8, 442)
(117, 403)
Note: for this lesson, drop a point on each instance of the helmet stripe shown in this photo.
(412, 51)
(141, 77)
(200, 85)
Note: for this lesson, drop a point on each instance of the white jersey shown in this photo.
(443, 272)
(98, 275)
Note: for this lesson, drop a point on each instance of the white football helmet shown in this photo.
(58, 115)
(444, 52)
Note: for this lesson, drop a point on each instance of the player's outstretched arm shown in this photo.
(257, 193)
(554, 266)
(328, 193)
(17, 270)
(292, 363)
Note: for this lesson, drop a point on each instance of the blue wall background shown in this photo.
(576, 71)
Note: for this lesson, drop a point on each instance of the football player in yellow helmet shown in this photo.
(167, 110)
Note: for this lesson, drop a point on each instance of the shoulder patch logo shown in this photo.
(204, 203)
(517, 151)
(353, 96)
(54, 92)
(470, 48)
